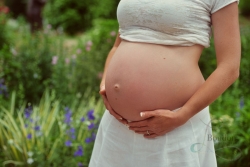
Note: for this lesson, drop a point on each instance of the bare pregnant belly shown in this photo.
(143, 76)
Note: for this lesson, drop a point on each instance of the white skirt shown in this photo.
(189, 145)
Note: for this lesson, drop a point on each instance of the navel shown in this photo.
(116, 87)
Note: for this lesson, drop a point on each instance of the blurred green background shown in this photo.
(49, 83)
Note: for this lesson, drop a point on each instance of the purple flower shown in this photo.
(29, 136)
(79, 152)
(82, 119)
(90, 139)
(26, 125)
(90, 115)
(68, 143)
(93, 136)
(68, 117)
(37, 128)
(72, 130)
(3, 88)
(241, 102)
(80, 164)
(67, 109)
(27, 112)
(91, 126)
(71, 133)
(73, 137)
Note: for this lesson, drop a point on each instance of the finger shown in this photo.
(118, 117)
(139, 132)
(112, 112)
(123, 121)
(144, 132)
(138, 123)
(102, 90)
(151, 136)
(148, 114)
(141, 129)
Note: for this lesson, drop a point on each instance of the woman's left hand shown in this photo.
(158, 122)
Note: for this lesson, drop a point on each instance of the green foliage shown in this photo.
(48, 59)
(3, 38)
(76, 16)
(230, 121)
(245, 7)
(37, 136)
(242, 133)
(102, 37)
(82, 66)
(245, 61)
(26, 66)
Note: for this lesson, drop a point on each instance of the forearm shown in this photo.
(210, 90)
(110, 55)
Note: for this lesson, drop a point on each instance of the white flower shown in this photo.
(13, 51)
(35, 75)
(30, 161)
(39, 133)
(30, 153)
(73, 56)
(64, 126)
(10, 141)
(49, 26)
(87, 122)
(78, 95)
(54, 60)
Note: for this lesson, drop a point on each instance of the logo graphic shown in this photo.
(207, 146)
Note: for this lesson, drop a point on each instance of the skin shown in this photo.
(228, 52)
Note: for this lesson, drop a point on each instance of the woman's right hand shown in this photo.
(102, 92)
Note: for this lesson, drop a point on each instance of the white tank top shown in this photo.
(168, 22)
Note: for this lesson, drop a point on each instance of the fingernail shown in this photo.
(127, 125)
(141, 114)
(120, 118)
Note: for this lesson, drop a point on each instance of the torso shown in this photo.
(144, 76)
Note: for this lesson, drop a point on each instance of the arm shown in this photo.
(110, 55)
(228, 51)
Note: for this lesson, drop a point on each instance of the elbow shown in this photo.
(235, 73)
(232, 73)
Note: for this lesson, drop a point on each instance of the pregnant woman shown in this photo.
(156, 97)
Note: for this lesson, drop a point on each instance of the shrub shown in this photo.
(26, 63)
(230, 114)
(47, 59)
(76, 16)
(3, 37)
(97, 43)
